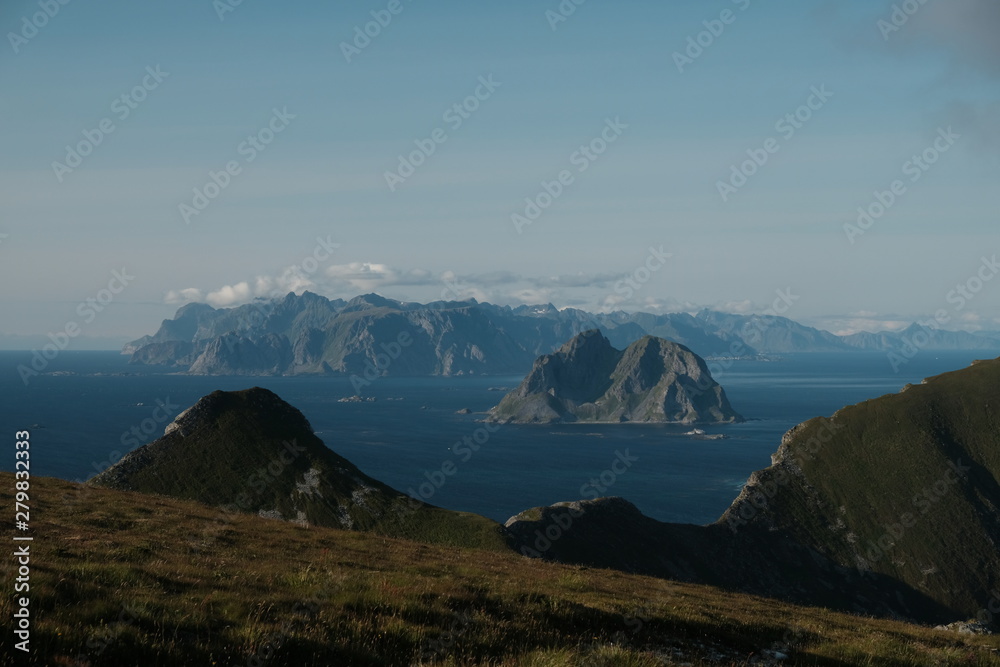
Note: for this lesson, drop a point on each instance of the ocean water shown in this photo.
(83, 412)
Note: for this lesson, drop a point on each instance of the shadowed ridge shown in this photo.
(250, 451)
(889, 507)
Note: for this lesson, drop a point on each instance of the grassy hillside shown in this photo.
(904, 486)
(250, 451)
(122, 578)
(890, 507)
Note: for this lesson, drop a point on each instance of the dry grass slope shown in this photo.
(121, 578)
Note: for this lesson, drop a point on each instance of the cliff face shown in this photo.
(368, 336)
(312, 334)
(652, 380)
(251, 452)
(232, 354)
(462, 337)
(890, 507)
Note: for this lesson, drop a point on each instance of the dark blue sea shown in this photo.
(83, 412)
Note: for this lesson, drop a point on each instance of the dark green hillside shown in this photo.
(890, 507)
(905, 485)
(249, 451)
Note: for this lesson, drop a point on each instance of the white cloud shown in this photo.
(872, 322)
(971, 321)
(290, 279)
(846, 327)
(745, 307)
(230, 295)
(588, 291)
(371, 276)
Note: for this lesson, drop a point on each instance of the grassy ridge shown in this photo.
(904, 486)
(250, 451)
(116, 580)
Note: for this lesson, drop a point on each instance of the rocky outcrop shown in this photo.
(653, 380)
(235, 354)
(167, 353)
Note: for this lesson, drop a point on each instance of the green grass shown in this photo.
(134, 591)
(873, 475)
(250, 451)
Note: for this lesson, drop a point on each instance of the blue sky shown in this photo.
(556, 86)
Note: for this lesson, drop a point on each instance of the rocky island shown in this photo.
(652, 380)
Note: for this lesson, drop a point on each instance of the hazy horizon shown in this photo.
(26, 343)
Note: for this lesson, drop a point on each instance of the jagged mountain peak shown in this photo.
(652, 380)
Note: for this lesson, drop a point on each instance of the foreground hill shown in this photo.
(250, 451)
(116, 580)
(891, 506)
(652, 380)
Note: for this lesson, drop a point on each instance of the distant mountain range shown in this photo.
(370, 336)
